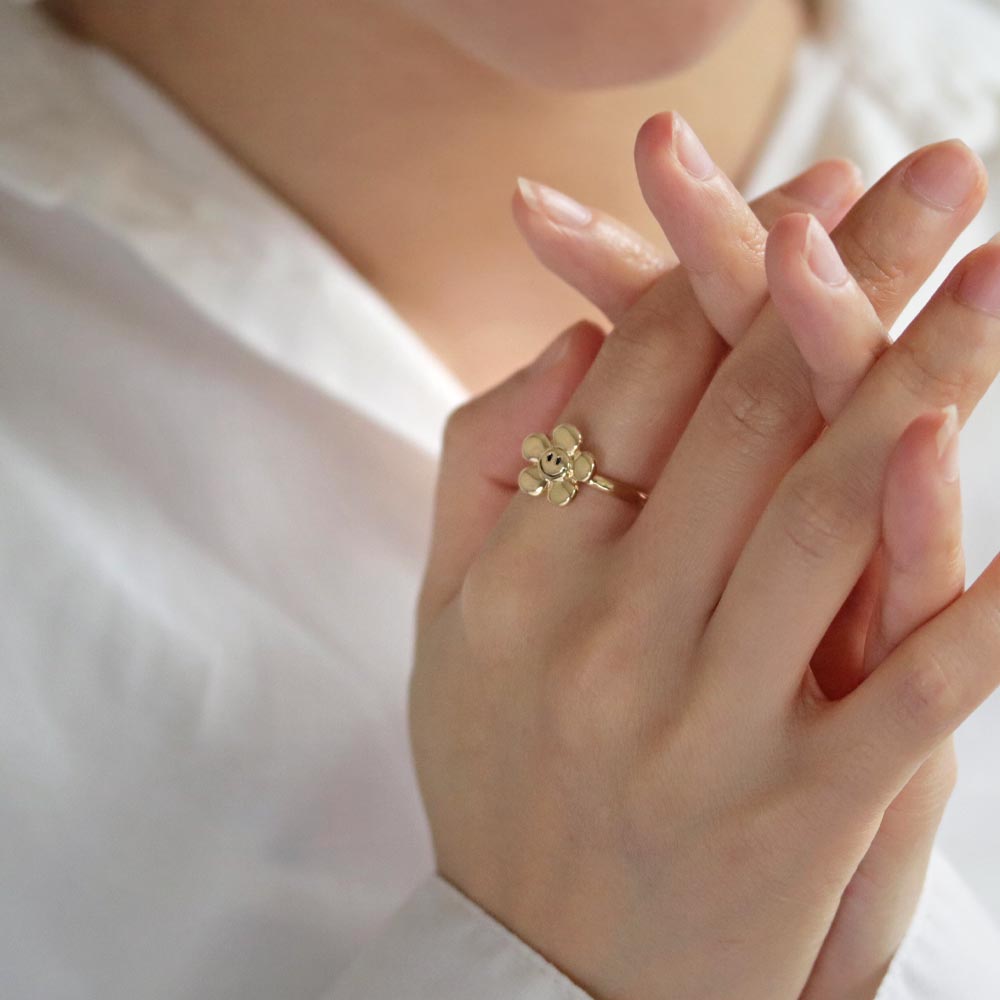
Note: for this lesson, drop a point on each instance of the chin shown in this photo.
(581, 44)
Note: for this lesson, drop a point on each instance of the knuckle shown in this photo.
(647, 349)
(751, 239)
(756, 405)
(819, 517)
(590, 685)
(951, 561)
(923, 799)
(500, 602)
(926, 372)
(660, 321)
(871, 263)
(746, 240)
(635, 351)
(928, 698)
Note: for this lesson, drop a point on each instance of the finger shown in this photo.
(921, 693)
(923, 573)
(877, 909)
(838, 660)
(611, 265)
(714, 233)
(481, 456)
(839, 336)
(819, 532)
(923, 564)
(647, 380)
(758, 416)
(831, 320)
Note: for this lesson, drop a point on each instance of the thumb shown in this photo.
(481, 456)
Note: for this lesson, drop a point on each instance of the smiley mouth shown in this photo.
(554, 465)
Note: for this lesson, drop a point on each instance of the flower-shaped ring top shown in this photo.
(557, 466)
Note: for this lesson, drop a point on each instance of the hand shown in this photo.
(921, 561)
(573, 769)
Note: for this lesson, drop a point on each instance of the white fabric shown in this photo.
(217, 454)
(439, 945)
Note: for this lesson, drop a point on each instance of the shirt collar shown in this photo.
(81, 131)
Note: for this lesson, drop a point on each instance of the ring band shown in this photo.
(558, 467)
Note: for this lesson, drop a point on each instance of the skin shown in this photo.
(839, 335)
(208, 56)
(340, 108)
(591, 691)
(587, 43)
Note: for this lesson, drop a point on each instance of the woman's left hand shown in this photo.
(920, 567)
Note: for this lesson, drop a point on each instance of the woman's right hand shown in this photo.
(919, 567)
(619, 754)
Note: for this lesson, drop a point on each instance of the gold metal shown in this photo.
(558, 468)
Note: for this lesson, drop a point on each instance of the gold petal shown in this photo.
(583, 466)
(531, 480)
(561, 491)
(567, 437)
(535, 445)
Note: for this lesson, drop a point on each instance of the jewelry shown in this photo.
(558, 467)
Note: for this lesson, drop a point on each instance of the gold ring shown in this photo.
(558, 467)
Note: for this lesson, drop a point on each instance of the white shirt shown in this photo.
(217, 454)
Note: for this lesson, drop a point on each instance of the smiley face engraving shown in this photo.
(554, 463)
(557, 466)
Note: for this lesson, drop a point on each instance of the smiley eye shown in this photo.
(549, 456)
(558, 461)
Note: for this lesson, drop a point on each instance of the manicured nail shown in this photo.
(822, 255)
(557, 207)
(944, 176)
(552, 354)
(825, 185)
(979, 285)
(947, 444)
(689, 150)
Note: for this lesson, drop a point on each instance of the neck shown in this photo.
(402, 152)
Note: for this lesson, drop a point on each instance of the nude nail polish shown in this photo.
(979, 283)
(944, 176)
(689, 150)
(557, 207)
(822, 255)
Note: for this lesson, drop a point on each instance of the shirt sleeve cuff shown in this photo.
(441, 946)
(952, 949)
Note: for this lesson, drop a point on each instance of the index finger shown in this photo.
(612, 265)
(818, 533)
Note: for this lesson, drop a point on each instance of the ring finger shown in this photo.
(758, 416)
(652, 369)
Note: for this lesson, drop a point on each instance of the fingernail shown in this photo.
(947, 444)
(552, 354)
(979, 285)
(689, 150)
(822, 255)
(944, 176)
(557, 207)
(825, 185)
